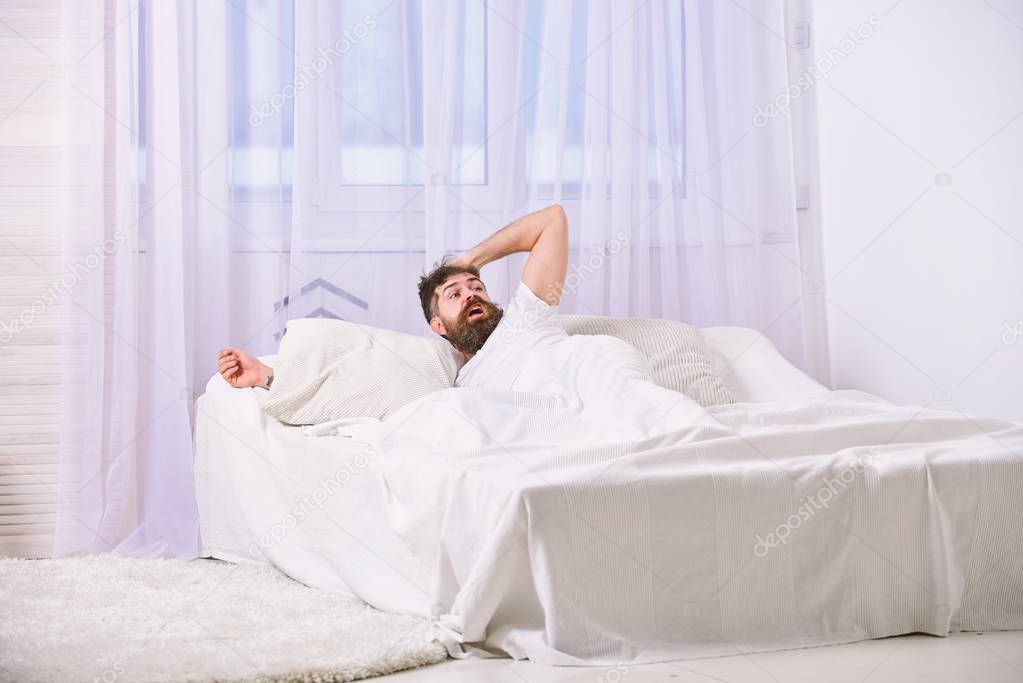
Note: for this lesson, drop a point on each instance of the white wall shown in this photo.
(923, 277)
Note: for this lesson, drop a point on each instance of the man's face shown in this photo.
(465, 314)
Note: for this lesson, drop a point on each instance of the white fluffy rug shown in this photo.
(113, 620)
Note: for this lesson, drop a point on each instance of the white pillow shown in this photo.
(676, 351)
(753, 369)
(330, 369)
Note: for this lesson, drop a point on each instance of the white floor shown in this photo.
(991, 657)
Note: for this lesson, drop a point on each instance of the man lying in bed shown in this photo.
(524, 348)
(455, 301)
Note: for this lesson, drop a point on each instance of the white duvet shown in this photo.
(533, 525)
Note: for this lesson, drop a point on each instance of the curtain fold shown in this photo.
(253, 161)
(146, 188)
(95, 502)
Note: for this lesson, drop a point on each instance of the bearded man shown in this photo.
(455, 300)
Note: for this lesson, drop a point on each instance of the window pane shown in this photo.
(380, 113)
(543, 126)
(262, 67)
(381, 97)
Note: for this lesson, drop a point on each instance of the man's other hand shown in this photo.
(241, 369)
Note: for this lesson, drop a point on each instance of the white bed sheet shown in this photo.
(267, 493)
(748, 363)
(595, 558)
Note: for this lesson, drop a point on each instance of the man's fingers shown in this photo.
(229, 364)
(227, 351)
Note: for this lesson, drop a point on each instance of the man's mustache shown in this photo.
(474, 302)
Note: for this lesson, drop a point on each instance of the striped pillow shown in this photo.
(676, 351)
(330, 369)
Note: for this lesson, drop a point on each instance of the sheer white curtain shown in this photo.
(147, 241)
(231, 165)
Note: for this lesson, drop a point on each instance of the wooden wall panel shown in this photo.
(29, 259)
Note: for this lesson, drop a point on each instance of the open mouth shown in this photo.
(475, 311)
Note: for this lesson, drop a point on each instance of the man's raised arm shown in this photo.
(544, 234)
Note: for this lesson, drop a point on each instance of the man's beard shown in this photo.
(468, 336)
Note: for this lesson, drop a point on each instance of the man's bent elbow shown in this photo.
(558, 222)
(558, 213)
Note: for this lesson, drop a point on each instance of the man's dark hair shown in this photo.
(429, 283)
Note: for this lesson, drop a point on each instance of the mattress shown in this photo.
(825, 517)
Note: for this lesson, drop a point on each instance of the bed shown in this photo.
(825, 517)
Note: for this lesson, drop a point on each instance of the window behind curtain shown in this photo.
(379, 108)
(262, 64)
